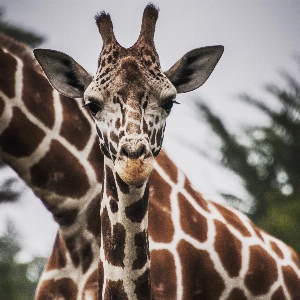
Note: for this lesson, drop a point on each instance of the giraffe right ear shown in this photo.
(193, 69)
(67, 76)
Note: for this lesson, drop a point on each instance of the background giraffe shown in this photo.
(224, 257)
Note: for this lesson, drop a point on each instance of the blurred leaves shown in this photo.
(17, 280)
(25, 36)
(267, 159)
(11, 190)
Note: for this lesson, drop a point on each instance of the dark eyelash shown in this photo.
(167, 106)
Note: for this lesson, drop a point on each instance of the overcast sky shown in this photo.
(260, 38)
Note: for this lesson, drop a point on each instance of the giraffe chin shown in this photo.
(134, 171)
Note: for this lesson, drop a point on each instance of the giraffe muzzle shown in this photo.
(134, 162)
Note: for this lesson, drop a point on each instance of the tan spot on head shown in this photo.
(292, 281)
(237, 294)
(64, 288)
(38, 97)
(199, 277)
(168, 166)
(75, 127)
(192, 222)
(163, 275)
(134, 171)
(233, 220)
(7, 76)
(61, 172)
(196, 196)
(96, 160)
(161, 228)
(133, 128)
(229, 249)
(21, 138)
(58, 258)
(262, 271)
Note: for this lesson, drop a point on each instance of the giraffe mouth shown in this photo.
(134, 163)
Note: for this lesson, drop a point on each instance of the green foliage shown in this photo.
(28, 37)
(17, 280)
(267, 159)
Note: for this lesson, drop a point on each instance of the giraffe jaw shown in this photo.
(134, 171)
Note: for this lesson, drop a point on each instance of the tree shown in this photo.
(17, 280)
(267, 159)
(30, 38)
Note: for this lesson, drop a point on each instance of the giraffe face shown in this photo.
(130, 99)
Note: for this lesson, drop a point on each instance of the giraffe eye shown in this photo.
(167, 106)
(93, 107)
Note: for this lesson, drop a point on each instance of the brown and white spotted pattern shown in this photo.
(124, 266)
(198, 249)
(38, 139)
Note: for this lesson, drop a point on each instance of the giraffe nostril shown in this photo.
(141, 150)
(124, 151)
(133, 152)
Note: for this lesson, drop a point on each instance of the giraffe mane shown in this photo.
(20, 50)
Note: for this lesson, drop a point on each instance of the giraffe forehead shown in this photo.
(135, 68)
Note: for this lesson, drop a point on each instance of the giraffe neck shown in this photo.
(38, 139)
(124, 251)
(38, 136)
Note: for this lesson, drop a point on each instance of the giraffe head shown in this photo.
(130, 97)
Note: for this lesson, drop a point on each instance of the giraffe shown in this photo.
(160, 238)
(256, 265)
(37, 139)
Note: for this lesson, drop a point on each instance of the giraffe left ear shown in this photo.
(193, 69)
(63, 72)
